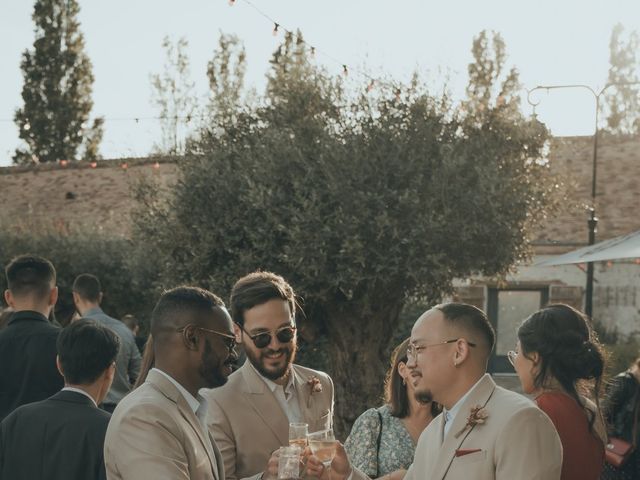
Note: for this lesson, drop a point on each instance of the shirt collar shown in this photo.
(29, 314)
(198, 404)
(289, 388)
(81, 392)
(93, 311)
(450, 414)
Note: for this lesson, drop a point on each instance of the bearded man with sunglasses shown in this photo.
(249, 417)
(160, 429)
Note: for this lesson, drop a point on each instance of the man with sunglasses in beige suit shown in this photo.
(159, 430)
(249, 417)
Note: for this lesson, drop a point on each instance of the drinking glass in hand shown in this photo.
(289, 463)
(298, 435)
(323, 445)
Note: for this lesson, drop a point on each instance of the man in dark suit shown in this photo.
(28, 343)
(63, 437)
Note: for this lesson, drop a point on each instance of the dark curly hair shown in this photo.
(568, 349)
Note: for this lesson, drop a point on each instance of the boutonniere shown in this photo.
(314, 387)
(477, 416)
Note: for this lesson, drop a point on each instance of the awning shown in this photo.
(626, 246)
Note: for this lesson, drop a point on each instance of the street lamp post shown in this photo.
(592, 223)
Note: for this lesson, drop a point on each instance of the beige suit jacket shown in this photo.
(516, 442)
(248, 423)
(154, 434)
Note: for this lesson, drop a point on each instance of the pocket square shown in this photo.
(462, 452)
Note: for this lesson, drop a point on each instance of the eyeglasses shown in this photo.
(511, 355)
(414, 350)
(228, 339)
(263, 339)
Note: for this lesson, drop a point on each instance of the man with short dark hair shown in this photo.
(133, 324)
(249, 417)
(87, 296)
(484, 431)
(28, 343)
(69, 426)
(159, 431)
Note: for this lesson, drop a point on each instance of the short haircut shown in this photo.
(88, 287)
(130, 321)
(258, 288)
(180, 306)
(86, 349)
(471, 320)
(30, 275)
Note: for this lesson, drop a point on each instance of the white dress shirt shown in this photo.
(287, 396)
(450, 415)
(81, 392)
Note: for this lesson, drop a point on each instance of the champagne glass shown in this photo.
(323, 445)
(298, 435)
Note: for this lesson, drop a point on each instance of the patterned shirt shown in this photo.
(396, 445)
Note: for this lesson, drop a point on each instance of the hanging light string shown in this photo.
(346, 69)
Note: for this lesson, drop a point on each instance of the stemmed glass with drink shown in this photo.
(323, 445)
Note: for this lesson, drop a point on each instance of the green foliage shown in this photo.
(57, 88)
(488, 85)
(623, 101)
(361, 203)
(127, 275)
(226, 73)
(173, 94)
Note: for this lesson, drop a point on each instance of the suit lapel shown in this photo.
(172, 393)
(265, 404)
(479, 396)
(306, 402)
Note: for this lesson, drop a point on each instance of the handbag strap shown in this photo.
(378, 443)
(635, 416)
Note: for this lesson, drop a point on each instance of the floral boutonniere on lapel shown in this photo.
(477, 416)
(314, 387)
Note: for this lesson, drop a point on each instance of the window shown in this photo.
(507, 308)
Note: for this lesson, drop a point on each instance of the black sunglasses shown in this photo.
(263, 339)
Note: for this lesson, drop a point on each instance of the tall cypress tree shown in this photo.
(57, 89)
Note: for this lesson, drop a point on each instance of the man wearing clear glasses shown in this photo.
(249, 417)
(160, 429)
(484, 432)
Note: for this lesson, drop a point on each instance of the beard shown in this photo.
(212, 367)
(258, 359)
(423, 396)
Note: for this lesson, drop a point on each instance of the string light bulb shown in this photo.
(124, 165)
(63, 163)
(371, 85)
(232, 3)
(156, 165)
(276, 26)
(313, 52)
(398, 92)
(345, 71)
(93, 164)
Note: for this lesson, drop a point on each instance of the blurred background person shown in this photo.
(621, 406)
(87, 296)
(135, 326)
(383, 440)
(62, 437)
(558, 360)
(28, 370)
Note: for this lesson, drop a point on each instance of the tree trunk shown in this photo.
(358, 346)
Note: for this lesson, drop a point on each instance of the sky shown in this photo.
(550, 42)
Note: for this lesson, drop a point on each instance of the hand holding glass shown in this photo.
(323, 445)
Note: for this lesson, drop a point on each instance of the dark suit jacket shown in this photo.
(28, 371)
(61, 438)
